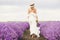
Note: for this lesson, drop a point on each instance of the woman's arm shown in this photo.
(36, 16)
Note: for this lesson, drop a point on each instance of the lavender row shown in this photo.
(50, 30)
(12, 30)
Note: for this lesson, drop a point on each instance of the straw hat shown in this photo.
(32, 4)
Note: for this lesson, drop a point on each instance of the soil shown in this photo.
(26, 36)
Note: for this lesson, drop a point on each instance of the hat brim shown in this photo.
(32, 4)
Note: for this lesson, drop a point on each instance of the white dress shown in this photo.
(33, 25)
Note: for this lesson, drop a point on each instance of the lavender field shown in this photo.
(14, 30)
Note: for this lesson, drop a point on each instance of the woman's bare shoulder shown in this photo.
(34, 8)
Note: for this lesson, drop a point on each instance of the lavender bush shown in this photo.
(50, 30)
(12, 30)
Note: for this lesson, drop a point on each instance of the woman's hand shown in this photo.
(37, 21)
(36, 18)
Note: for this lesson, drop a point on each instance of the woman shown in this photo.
(33, 19)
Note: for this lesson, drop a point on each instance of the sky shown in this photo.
(16, 10)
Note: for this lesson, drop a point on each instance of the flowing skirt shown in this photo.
(33, 25)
